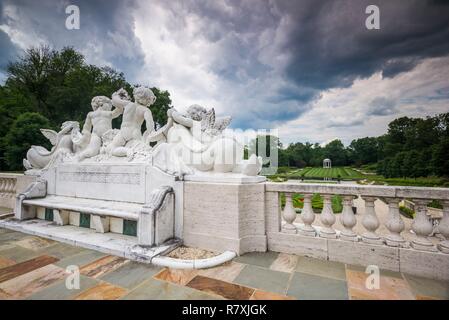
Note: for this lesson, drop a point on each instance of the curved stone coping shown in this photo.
(363, 190)
(193, 264)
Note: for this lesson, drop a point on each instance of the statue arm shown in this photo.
(116, 112)
(83, 138)
(87, 128)
(179, 118)
(149, 120)
(120, 99)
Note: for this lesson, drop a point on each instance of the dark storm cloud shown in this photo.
(331, 46)
(105, 24)
(9, 51)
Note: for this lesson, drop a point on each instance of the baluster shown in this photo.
(394, 224)
(348, 220)
(307, 217)
(9, 187)
(370, 222)
(422, 227)
(327, 218)
(2, 186)
(443, 228)
(289, 215)
(13, 187)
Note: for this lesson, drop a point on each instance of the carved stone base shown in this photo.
(328, 233)
(372, 239)
(308, 231)
(289, 228)
(444, 246)
(349, 237)
(423, 245)
(395, 241)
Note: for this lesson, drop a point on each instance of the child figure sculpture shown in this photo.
(98, 122)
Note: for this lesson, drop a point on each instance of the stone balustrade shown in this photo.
(316, 234)
(8, 182)
(10, 185)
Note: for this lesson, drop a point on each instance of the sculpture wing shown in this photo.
(51, 135)
(222, 123)
(208, 120)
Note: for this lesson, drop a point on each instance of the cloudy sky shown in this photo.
(309, 68)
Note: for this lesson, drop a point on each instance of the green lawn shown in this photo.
(317, 202)
(346, 173)
(320, 173)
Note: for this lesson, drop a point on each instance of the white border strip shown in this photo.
(193, 264)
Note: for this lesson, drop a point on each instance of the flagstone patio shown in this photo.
(34, 268)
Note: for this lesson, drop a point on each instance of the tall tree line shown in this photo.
(412, 147)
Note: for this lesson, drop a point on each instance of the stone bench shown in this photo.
(148, 212)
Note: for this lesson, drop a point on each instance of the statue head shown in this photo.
(144, 96)
(209, 123)
(101, 102)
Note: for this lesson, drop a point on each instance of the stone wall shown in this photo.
(224, 216)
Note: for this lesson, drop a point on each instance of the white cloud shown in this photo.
(347, 113)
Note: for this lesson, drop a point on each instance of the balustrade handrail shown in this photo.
(362, 190)
(10, 175)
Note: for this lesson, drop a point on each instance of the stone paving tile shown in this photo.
(227, 272)
(321, 268)
(428, 288)
(102, 291)
(178, 276)
(34, 243)
(22, 286)
(262, 259)
(131, 274)
(264, 295)
(18, 254)
(62, 250)
(390, 288)
(310, 287)
(80, 259)
(6, 246)
(222, 288)
(154, 289)
(25, 267)
(12, 236)
(5, 262)
(385, 273)
(285, 262)
(59, 290)
(102, 266)
(265, 279)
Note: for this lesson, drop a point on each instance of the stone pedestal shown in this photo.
(222, 216)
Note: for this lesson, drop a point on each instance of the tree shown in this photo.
(335, 150)
(363, 151)
(440, 158)
(160, 107)
(24, 132)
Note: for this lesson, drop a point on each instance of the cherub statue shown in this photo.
(195, 141)
(98, 122)
(134, 114)
(38, 157)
